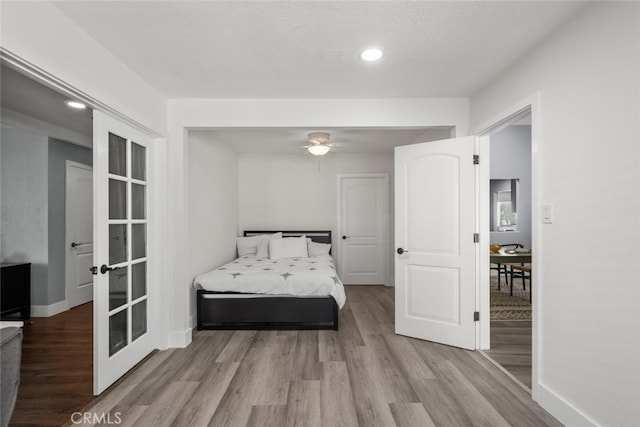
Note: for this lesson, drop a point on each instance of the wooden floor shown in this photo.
(362, 374)
(56, 371)
(511, 347)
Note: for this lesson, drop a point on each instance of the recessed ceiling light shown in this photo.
(372, 54)
(75, 104)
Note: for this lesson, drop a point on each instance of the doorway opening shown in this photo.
(509, 281)
(40, 137)
(510, 231)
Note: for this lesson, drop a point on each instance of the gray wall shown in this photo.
(59, 153)
(511, 158)
(23, 238)
(32, 200)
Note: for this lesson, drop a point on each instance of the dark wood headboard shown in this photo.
(319, 236)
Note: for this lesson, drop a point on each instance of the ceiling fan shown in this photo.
(319, 143)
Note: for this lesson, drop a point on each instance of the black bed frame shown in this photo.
(279, 312)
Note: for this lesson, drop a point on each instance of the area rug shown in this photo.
(507, 307)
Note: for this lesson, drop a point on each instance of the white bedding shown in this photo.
(311, 276)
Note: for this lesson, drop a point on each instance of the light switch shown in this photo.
(547, 213)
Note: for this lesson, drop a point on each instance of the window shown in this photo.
(504, 214)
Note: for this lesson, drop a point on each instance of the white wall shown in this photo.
(24, 200)
(213, 205)
(300, 192)
(586, 163)
(39, 33)
(40, 39)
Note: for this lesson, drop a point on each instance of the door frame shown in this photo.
(388, 267)
(532, 105)
(157, 233)
(70, 163)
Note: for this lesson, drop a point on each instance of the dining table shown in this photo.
(508, 256)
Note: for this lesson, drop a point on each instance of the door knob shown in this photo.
(75, 244)
(345, 237)
(104, 268)
(401, 251)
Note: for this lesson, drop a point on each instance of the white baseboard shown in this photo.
(194, 321)
(48, 310)
(566, 413)
(180, 339)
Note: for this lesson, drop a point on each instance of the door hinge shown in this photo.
(476, 237)
(476, 316)
(476, 159)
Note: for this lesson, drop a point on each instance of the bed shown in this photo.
(278, 291)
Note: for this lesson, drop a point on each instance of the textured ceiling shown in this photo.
(302, 49)
(309, 49)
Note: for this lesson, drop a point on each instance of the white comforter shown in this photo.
(312, 276)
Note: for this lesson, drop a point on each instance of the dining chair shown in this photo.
(522, 271)
(502, 268)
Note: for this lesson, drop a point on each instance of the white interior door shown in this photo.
(364, 222)
(79, 233)
(123, 334)
(436, 258)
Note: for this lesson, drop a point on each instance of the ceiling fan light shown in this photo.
(319, 149)
(319, 138)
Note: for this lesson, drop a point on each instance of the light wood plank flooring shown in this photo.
(362, 374)
(511, 347)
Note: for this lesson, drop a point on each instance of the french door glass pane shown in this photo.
(117, 288)
(138, 205)
(138, 162)
(117, 199)
(138, 320)
(117, 243)
(139, 240)
(127, 202)
(138, 280)
(117, 332)
(117, 155)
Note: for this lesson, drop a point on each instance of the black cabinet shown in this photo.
(15, 283)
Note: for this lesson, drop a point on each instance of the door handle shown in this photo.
(402, 251)
(104, 268)
(75, 245)
(345, 237)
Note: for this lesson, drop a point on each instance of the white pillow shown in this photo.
(263, 249)
(249, 245)
(318, 249)
(290, 247)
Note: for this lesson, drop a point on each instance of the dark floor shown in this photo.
(56, 375)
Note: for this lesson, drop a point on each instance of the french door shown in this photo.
(123, 334)
(436, 259)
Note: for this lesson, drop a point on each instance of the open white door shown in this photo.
(435, 214)
(122, 332)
